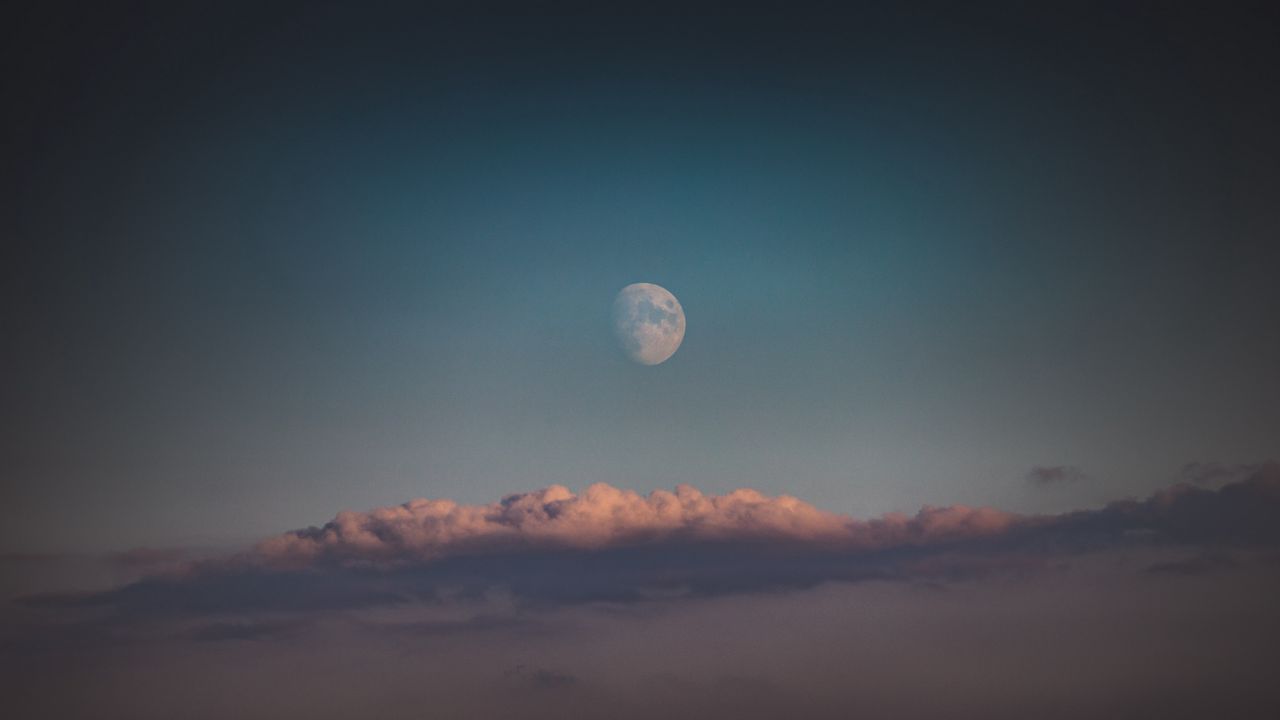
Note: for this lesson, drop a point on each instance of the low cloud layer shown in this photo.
(609, 603)
(603, 518)
(554, 547)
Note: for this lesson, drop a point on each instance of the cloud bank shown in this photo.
(609, 603)
(603, 518)
(554, 547)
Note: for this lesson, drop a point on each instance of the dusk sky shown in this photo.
(266, 263)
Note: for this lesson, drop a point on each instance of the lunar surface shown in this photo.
(649, 322)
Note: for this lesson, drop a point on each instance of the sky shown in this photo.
(267, 263)
(267, 269)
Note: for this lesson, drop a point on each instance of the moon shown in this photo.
(649, 322)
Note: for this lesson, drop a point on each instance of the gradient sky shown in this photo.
(262, 265)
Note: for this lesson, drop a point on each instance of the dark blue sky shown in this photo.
(260, 266)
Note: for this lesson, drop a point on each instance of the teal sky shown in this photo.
(329, 268)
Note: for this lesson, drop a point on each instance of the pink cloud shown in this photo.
(603, 517)
(555, 546)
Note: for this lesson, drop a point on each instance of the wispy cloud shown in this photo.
(1216, 474)
(1054, 474)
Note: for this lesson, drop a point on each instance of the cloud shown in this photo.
(1098, 637)
(614, 604)
(1215, 474)
(600, 519)
(552, 547)
(1054, 475)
